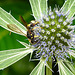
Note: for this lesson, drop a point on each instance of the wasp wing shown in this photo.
(15, 29)
(7, 18)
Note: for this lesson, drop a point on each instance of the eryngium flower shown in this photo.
(55, 35)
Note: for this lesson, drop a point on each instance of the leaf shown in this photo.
(39, 7)
(24, 44)
(72, 11)
(7, 19)
(14, 28)
(39, 69)
(66, 68)
(49, 67)
(72, 53)
(68, 7)
(9, 57)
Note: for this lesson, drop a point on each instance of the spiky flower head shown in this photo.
(55, 35)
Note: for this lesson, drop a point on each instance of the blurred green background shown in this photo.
(17, 8)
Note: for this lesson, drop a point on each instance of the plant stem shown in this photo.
(48, 71)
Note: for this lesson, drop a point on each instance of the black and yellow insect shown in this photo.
(30, 31)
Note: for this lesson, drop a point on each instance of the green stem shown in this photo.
(48, 71)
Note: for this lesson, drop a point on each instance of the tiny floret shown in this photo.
(64, 23)
(58, 34)
(62, 38)
(60, 20)
(45, 37)
(58, 26)
(52, 37)
(57, 41)
(48, 32)
(47, 25)
(42, 31)
(63, 30)
(52, 23)
(52, 16)
(53, 30)
(50, 13)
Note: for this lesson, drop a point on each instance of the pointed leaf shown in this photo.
(24, 44)
(66, 68)
(72, 11)
(9, 57)
(70, 66)
(72, 53)
(68, 7)
(49, 67)
(7, 19)
(39, 69)
(39, 7)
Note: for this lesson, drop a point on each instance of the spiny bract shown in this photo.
(55, 34)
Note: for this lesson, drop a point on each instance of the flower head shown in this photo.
(55, 35)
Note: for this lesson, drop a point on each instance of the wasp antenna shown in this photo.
(23, 21)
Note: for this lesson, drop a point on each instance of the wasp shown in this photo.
(30, 30)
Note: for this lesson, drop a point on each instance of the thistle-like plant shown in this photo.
(55, 35)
